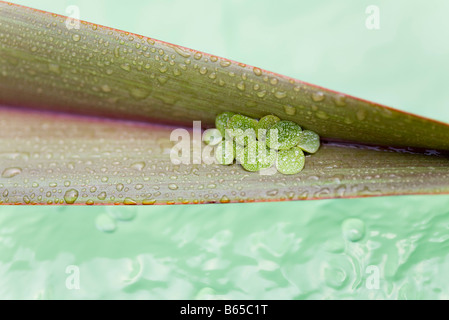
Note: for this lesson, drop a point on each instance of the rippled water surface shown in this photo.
(388, 247)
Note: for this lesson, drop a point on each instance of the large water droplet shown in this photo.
(102, 195)
(280, 94)
(11, 172)
(318, 96)
(129, 201)
(181, 52)
(139, 93)
(172, 186)
(26, 199)
(289, 110)
(70, 196)
(257, 71)
(105, 223)
(353, 229)
(148, 201)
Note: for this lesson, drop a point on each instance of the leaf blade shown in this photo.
(132, 165)
(139, 78)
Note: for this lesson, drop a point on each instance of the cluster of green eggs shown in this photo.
(261, 144)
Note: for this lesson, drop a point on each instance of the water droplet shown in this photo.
(102, 195)
(90, 202)
(340, 100)
(262, 93)
(119, 187)
(129, 201)
(257, 71)
(162, 79)
(280, 94)
(139, 93)
(318, 96)
(322, 115)
(105, 223)
(125, 66)
(197, 56)
(76, 37)
(11, 172)
(181, 52)
(241, 86)
(225, 63)
(148, 201)
(274, 81)
(70, 196)
(138, 186)
(224, 199)
(353, 229)
(203, 70)
(176, 72)
(26, 199)
(289, 110)
(172, 186)
(138, 166)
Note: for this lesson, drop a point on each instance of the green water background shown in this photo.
(289, 250)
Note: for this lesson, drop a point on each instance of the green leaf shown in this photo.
(102, 72)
